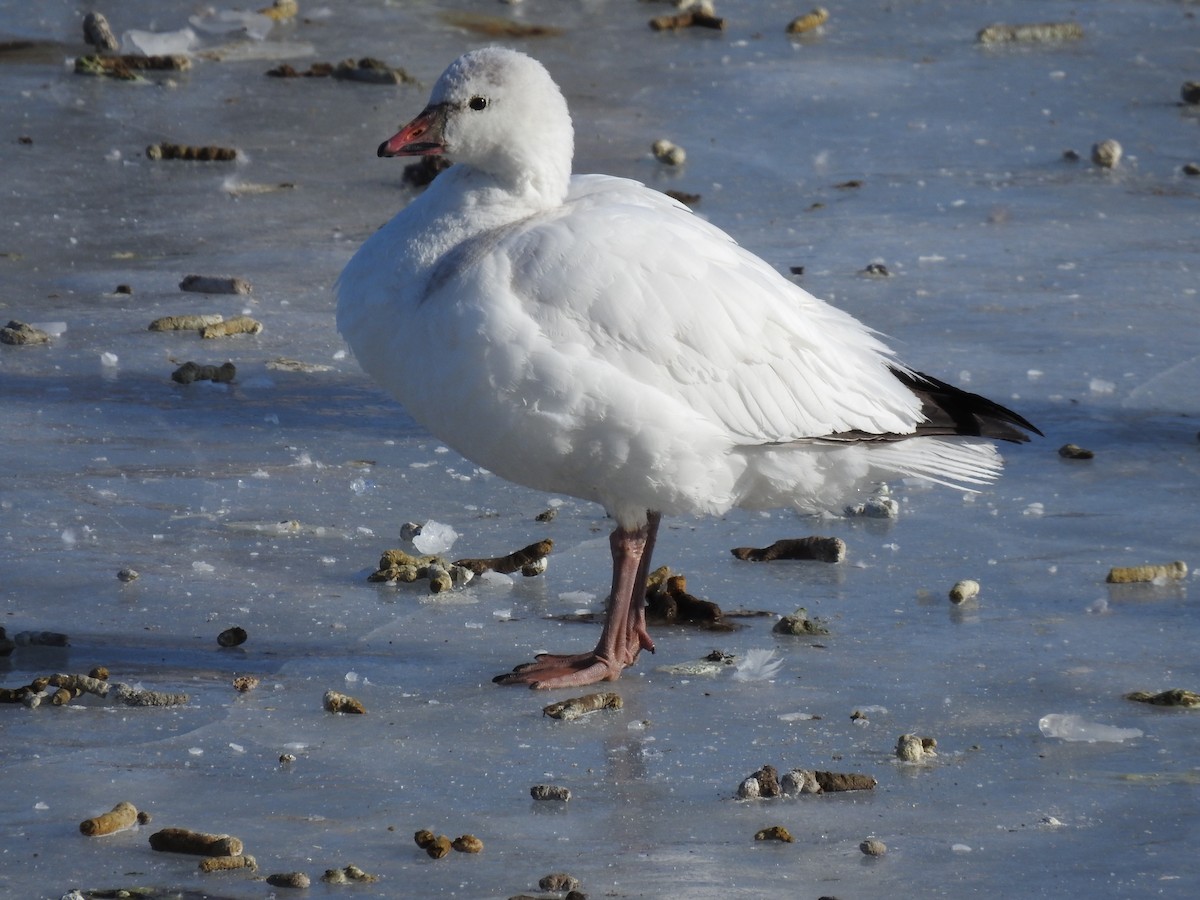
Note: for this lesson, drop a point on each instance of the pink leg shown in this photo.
(624, 634)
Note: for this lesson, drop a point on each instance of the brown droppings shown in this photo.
(190, 372)
(190, 154)
(289, 880)
(236, 325)
(467, 843)
(337, 702)
(199, 843)
(774, 833)
(1175, 571)
(809, 21)
(513, 562)
(20, 333)
(1172, 697)
(228, 863)
(821, 549)
(123, 815)
(1074, 451)
(575, 707)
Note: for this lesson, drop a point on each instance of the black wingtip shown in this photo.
(951, 410)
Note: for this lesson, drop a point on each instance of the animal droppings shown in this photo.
(337, 702)
(236, 325)
(821, 549)
(699, 15)
(41, 639)
(228, 863)
(467, 843)
(402, 566)
(912, 748)
(964, 590)
(232, 637)
(1074, 451)
(20, 333)
(774, 833)
(1041, 33)
(669, 603)
(809, 21)
(197, 843)
(280, 10)
(350, 874)
(289, 880)
(215, 284)
(1106, 154)
(558, 881)
(668, 153)
(245, 683)
(798, 623)
(1172, 697)
(880, 505)
(766, 783)
(517, 561)
(123, 815)
(184, 152)
(873, 847)
(1175, 571)
(96, 31)
(438, 847)
(550, 792)
(191, 372)
(129, 66)
(576, 707)
(185, 323)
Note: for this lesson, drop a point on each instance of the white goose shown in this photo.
(586, 335)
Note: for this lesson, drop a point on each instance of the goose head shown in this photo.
(499, 112)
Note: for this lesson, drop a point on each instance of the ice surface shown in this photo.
(1006, 260)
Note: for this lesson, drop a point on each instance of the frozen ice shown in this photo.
(435, 538)
(158, 43)
(1071, 727)
(233, 22)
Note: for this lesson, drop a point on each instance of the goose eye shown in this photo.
(477, 103)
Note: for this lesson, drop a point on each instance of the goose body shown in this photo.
(586, 335)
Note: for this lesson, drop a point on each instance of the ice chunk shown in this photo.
(158, 43)
(237, 22)
(109, 360)
(435, 538)
(1070, 727)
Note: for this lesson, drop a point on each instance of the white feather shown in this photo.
(758, 665)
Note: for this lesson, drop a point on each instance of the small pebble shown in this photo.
(128, 575)
(1190, 92)
(232, 637)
